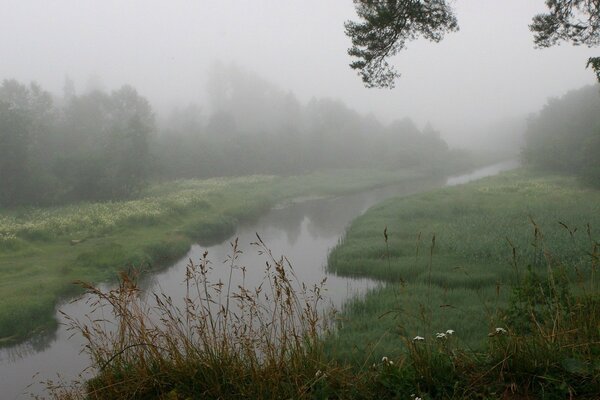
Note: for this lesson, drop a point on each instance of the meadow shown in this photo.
(44, 250)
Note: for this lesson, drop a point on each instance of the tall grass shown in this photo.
(225, 340)
(222, 341)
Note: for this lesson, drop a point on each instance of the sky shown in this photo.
(486, 72)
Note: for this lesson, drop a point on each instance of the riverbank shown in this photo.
(43, 251)
(449, 252)
(493, 280)
(537, 335)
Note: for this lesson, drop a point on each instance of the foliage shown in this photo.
(575, 21)
(94, 146)
(565, 135)
(386, 26)
(257, 128)
(107, 146)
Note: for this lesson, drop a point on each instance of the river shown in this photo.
(303, 231)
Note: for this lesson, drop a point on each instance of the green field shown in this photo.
(448, 259)
(42, 251)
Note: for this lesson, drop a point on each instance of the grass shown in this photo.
(453, 321)
(42, 251)
(450, 250)
(518, 251)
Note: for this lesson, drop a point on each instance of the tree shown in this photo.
(386, 26)
(574, 21)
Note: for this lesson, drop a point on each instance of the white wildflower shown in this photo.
(318, 373)
(450, 332)
(440, 335)
(501, 331)
(418, 339)
(385, 360)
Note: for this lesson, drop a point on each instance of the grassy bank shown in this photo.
(513, 255)
(448, 256)
(42, 251)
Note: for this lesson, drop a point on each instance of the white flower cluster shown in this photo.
(439, 335)
(100, 217)
(387, 361)
(7, 236)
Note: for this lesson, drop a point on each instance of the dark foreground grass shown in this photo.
(42, 251)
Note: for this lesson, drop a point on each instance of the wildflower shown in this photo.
(501, 331)
(418, 339)
(318, 373)
(450, 332)
(385, 360)
(440, 335)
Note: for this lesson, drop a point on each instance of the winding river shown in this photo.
(303, 231)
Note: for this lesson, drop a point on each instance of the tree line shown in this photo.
(102, 145)
(565, 135)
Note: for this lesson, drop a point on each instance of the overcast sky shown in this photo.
(487, 71)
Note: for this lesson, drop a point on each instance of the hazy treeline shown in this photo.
(106, 145)
(565, 135)
(93, 146)
(255, 127)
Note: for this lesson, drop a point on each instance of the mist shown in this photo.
(152, 150)
(487, 72)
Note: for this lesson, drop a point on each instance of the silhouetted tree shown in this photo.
(386, 25)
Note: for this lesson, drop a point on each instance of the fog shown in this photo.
(485, 74)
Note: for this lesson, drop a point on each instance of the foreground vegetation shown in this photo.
(502, 302)
(43, 250)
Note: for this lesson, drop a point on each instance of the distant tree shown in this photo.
(106, 144)
(565, 135)
(27, 119)
(386, 26)
(132, 126)
(14, 154)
